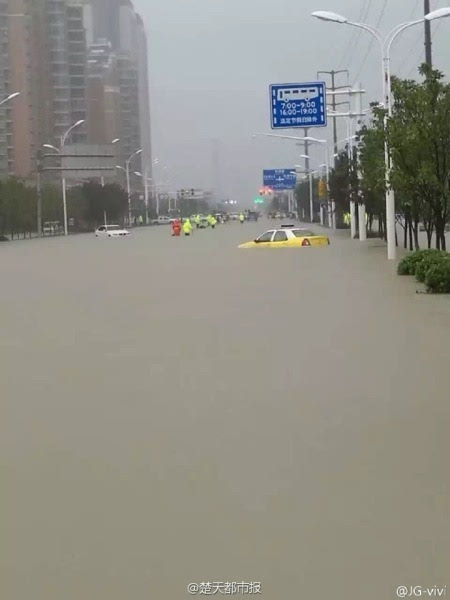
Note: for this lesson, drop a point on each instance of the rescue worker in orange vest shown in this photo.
(176, 228)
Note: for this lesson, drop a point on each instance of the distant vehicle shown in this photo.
(288, 237)
(111, 231)
(252, 215)
(204, 223)
(52, 228)
(162, 221)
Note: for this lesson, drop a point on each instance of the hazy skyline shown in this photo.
(212, 61)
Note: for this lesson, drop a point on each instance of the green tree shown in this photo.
(373, 169)
(302, 197)
(419, 138)
(341, 184)
(110, 198)
(52, 204)
(18, 205)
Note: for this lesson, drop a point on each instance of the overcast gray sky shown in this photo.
(212, 61)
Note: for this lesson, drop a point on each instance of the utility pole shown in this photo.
(428, 53)
(332, 90)
(311, 191)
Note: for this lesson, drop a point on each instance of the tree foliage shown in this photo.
(86, 206)
(418, 138)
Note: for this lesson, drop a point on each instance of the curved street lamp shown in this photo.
(127, 172)
(10, 97)
(60, 151)
(385, 43)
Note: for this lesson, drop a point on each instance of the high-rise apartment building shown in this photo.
(71, 60)
(103, 94)
(44, 58)
(116, 22)
(144, 94)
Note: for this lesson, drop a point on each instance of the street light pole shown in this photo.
(308, 168)
(39, 192)
(310, 174)
(128, 194)
(145, 179)
(129, 183)
(385, 45)
(60, 152)
(102, 179)
(147, 217)
(332, 213)
(63, 141)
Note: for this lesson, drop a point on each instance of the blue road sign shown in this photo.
(280, 179)
(295, 105)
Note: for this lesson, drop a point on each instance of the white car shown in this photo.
(162, 221)
(111, 231)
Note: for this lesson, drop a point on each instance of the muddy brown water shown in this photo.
(177, 411)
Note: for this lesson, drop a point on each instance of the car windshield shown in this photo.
(113, 227)
(303, 233)
(265, 237)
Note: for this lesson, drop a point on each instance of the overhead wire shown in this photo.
(412, 46)
(354, 39)
(415, 7)
(416, 61)
(366, 56)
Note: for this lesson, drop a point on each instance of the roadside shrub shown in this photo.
(427, 262)
(437, 278)
(409, 264)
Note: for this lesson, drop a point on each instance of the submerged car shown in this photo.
(111, 231)
(288, 237)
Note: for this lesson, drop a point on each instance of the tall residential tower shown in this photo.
(71, 60)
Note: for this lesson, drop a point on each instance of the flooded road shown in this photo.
(177, 411)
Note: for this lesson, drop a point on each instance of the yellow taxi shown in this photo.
(288, 236)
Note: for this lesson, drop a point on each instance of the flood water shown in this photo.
(177, 411)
